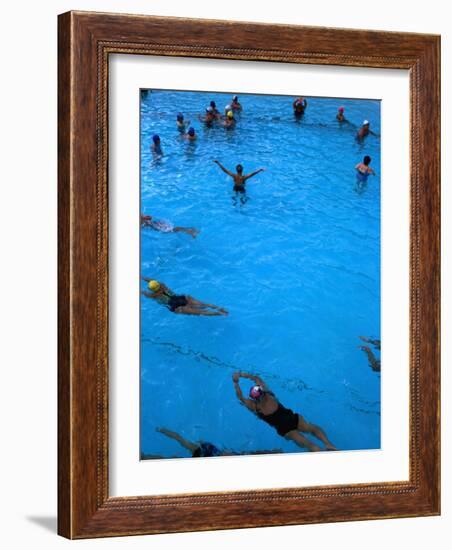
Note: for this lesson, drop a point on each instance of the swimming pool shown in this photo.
(297, 266)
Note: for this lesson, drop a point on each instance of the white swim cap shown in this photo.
(365, 123)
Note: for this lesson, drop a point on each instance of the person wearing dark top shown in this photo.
(179, 303)
(204, 449)
(290, 425)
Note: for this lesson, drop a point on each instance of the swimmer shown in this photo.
(209, 118)
(375, 343)
(229, 121)
(374, 363)
(215, 111)
(181, 123)
(156, 146)
(264, 404)
(166, 227)
(179, 303)
(235, 105)
(340, 115)
(190, 135)
(239, 178)
(363, 170)
(299, 106)
(203, 448)
(364, 131)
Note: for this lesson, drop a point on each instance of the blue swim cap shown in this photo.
(191, 131)
(180, 116)
(155, 138)
(213, 104)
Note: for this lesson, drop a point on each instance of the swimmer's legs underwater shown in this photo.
(187, 310)
(316, 431)
(239, 196)
(197, 304)
(302, 441)
(306, 427)
(189, 230)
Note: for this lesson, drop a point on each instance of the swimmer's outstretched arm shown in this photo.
(181, 440)
(254, 378)
(146, 279)
(248, 176)
(148, 294)
(224, 169)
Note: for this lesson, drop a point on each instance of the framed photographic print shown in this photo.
(248, 275)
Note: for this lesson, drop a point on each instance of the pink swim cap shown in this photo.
(341, 109)
(256, 392)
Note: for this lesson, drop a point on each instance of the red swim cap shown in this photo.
(256, 392)
(341, 109)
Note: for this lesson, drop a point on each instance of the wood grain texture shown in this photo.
(85, 42)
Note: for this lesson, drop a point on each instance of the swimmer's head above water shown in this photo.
(230, 115)
(180, 117)
(367, 160)
(366, 123)
(154, 286)
(156, 139)
(191, 132)
(213, 104)
(341, 109)
(239, 168)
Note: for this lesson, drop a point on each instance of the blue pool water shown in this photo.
(297, 267)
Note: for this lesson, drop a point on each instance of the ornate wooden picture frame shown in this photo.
(86, 41)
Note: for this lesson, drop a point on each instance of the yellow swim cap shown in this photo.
(154, 286)
(230, 114)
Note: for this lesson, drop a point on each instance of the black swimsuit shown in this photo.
(283, 420)
(176, 301)
(239, 188)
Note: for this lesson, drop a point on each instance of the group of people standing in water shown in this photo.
(228, 120)
(261, 401)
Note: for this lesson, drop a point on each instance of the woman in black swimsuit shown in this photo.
(179, 303)
(288, 424)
